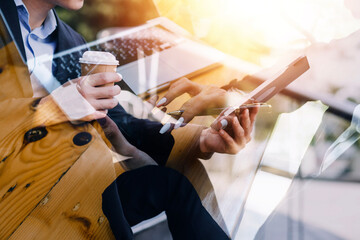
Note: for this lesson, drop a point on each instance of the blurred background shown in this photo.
(262, 32)
(258, 31)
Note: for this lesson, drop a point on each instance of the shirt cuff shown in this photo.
(72, 103)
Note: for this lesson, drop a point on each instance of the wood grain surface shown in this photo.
(72, 209)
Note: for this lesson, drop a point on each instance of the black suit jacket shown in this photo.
(141, 133)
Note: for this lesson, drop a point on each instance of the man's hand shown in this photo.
(123, 147)
(203, 97)
(101, 97)
(233, 134)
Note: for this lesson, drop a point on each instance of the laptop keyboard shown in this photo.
(124, 48)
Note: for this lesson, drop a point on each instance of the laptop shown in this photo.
(151, 55)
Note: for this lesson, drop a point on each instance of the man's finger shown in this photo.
(94, 116)
(101, 104)
(108, 126)
(105, 92)
(99, 79)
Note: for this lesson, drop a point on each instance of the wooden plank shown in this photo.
(26, 176)
(72, 209)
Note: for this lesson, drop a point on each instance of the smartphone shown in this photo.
(275, 84)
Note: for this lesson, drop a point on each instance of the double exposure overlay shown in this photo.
(179, 119)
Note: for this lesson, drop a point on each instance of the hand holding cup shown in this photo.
(98, 70)
(93, 62)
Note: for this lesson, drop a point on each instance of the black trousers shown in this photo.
(147, 191)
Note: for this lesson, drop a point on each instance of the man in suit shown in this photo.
(171, 191)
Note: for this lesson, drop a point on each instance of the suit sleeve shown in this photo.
(143, 134)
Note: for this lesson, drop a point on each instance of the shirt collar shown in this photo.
(45, 29)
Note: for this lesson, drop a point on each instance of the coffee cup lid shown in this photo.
(98, 57)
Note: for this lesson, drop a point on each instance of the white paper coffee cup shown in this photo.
(97, 62)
